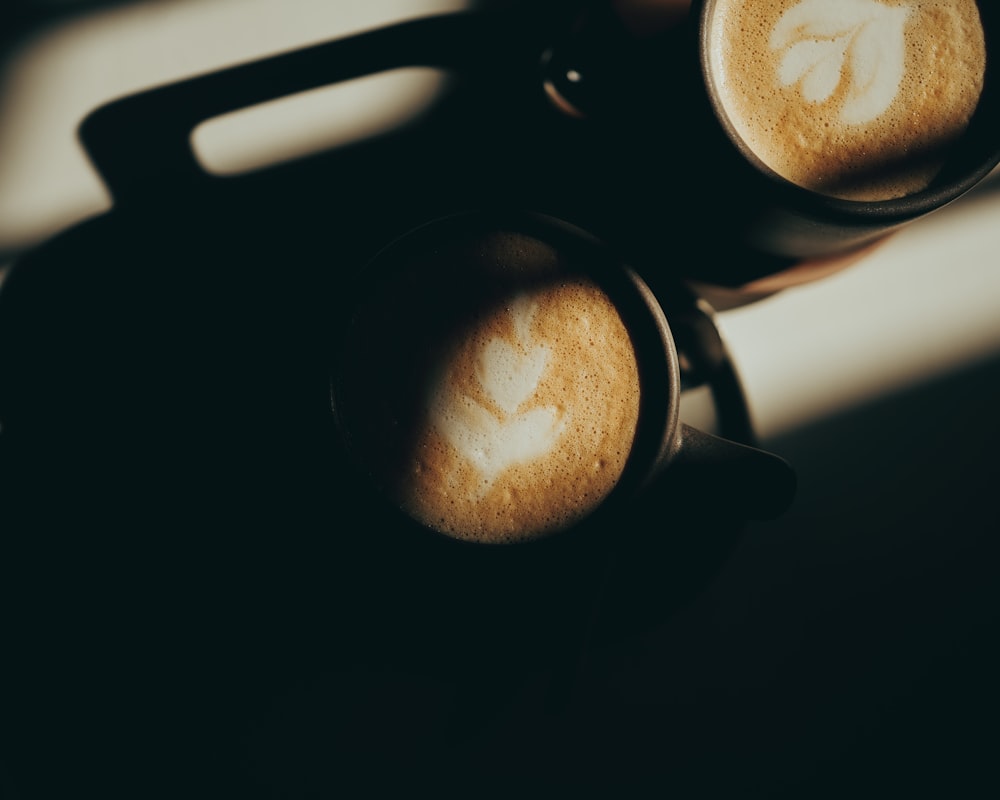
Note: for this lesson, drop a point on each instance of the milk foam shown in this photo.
(493, 439)
(860, 42)
(859, 99)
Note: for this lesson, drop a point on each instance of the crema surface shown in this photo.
(859, 99)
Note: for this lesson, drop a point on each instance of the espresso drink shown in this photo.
(491, 389)
(858, 99)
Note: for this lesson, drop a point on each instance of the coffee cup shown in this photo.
(506, 399)
(804, 128)
(503, 378)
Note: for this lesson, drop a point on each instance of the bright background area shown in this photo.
(52, 79)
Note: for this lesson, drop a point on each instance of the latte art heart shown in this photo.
(510, 372)
(510, 375)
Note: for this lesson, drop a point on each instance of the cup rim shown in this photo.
(985, 153)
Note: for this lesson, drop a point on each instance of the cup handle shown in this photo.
(707, 469)
(144, 138)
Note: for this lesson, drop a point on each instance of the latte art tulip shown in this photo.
(858, 99)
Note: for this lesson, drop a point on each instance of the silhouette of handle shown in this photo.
(708, 471)
(145, 137)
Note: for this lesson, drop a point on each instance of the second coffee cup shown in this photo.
(803, 128)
